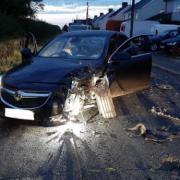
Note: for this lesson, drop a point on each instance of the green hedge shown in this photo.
(11, 28)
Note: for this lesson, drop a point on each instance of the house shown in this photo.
(119, 14)
(103, 21)
(172, 9)
(96, 21)
(116, 18)
(156, 10)
(127, 13)
(150, 10)
(146, 9)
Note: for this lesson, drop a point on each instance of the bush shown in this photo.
(13, 30)
(9, 55)
(42, 30)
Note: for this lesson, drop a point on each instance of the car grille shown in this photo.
(24, 100)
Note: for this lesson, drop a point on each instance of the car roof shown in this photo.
(92, 32)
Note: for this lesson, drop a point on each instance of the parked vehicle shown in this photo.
(155, 41)
(171, 45)
(75, 71)
(158, 29)
(79, 27)
(140, 27)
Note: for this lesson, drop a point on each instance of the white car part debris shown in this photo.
(89, 93)
(74, 104)
(105, 104)
(104, 99)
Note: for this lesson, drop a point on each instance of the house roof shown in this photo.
(139, 5)
(120, 9)
(116, 12)
(108, 14)
(128, 9)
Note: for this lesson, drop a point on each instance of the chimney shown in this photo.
(110, 10)
(124, 4)
(95, 17)
(101, 14)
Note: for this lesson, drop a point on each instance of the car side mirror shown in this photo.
(26, 54)
(119, 57)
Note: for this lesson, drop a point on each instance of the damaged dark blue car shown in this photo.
(74, 72)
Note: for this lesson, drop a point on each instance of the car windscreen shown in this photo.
(75, 47)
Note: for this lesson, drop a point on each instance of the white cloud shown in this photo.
(67, 9)
(65, 14)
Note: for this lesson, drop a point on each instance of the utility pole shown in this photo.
(87, 13)
(132, 18)
(166, 6)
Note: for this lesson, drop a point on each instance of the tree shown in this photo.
(20, 8)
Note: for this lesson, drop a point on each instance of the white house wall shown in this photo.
(103, 21)
(150, 9)
(175, 10)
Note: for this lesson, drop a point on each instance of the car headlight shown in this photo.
(172, 43)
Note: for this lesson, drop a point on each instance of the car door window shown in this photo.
(115, 42)
(112, 46)
(135, 46)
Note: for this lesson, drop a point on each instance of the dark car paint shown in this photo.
(39, 71)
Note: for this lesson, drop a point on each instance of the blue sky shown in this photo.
(62, 12)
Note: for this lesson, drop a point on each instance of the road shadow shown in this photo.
(8, 126)
(75, 160)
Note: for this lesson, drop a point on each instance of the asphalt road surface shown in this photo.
(102, 149)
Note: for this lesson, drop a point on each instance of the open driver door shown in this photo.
(130, 67)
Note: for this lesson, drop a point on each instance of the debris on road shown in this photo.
(163, 113)
(164, 86)
(148, 135)
(109, 170)
(51, 133)
(170, 164)
(99, 133)
(169, 159)
(139, 128)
